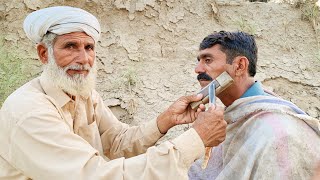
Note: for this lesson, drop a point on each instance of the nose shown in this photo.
(200, 68)
(83, 57)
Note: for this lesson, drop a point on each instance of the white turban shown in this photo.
(60, 20)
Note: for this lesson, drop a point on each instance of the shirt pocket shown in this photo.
(90, 133)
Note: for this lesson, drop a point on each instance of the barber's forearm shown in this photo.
(130, 141)
(169, 160)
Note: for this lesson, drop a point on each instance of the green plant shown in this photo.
(318, 54)
(12, 71)
(245, 26)
(311, 12)
(130, 78)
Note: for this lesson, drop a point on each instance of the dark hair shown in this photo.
(234, 44)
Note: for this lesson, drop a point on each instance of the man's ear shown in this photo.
(42, 53)
(241, 65)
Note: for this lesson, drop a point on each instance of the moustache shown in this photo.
(78, 67)
(204, 76)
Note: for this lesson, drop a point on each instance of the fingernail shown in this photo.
(199, 95)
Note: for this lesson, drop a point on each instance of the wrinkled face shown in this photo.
(211, 63)
(75, 48)
(70, 63)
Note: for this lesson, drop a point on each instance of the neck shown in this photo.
(235, 91)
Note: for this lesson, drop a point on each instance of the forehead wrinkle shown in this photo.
(75, 36)
(87, 41)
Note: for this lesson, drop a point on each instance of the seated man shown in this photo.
(267, 137)
(57, 127)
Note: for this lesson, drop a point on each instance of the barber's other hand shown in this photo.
(211, 126)
(179, 113)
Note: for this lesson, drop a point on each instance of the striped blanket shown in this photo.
(267, 138)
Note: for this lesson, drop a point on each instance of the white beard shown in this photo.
(77, 84)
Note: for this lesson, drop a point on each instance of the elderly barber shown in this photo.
(57, 127)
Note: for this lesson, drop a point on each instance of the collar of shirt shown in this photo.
(255, 90)
(56, 93)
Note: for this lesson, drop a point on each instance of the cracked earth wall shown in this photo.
(147, 52)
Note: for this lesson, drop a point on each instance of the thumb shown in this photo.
(194, 98)
(212, 106)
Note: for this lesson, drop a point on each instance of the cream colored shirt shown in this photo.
(44, 134)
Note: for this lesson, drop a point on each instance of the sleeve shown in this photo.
(120, 140)
(42, 147)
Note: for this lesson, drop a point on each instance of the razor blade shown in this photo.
(212, 94)
(223, 81)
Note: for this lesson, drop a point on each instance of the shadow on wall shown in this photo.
(122, 114)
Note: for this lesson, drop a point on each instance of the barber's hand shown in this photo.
(316, 175)
(179, 113)
(211, 126)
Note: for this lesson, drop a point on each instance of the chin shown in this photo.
(204, 83)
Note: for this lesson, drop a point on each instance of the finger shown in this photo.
(193, 98)
(202, 107)
(193, 115)
(199, 111)
(217, 110)
(216, 107)
(212, 107)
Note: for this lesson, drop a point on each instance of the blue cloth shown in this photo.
(255, 90)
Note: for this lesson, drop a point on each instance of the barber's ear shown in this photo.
(241, 64)
(42, 53)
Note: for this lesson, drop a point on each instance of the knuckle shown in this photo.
(182, 98)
